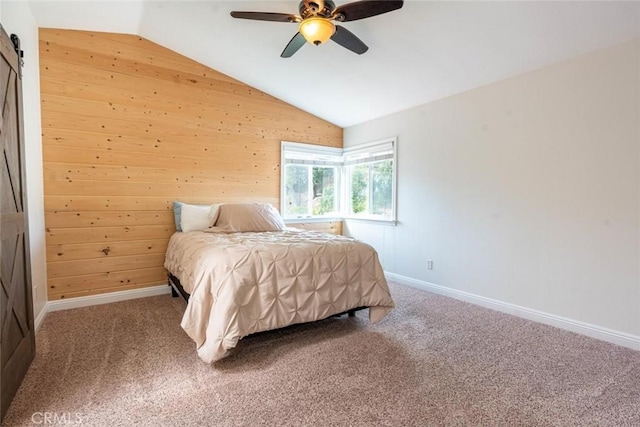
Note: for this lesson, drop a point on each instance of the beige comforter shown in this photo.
(243, 283)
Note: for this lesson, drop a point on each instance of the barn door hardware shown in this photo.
(16, 45)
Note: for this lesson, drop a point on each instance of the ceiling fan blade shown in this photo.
(365, 9)
(294, 45)
(266, 16)
(346, 38)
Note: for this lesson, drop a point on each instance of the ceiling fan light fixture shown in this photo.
(317, 30)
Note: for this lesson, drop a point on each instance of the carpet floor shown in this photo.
(433, 361)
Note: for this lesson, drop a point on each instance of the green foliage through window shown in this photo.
(382, 184)
(303, 201)
(371, 186)
(318, 180)
(359, 188)
(323, 190)
(297, 189)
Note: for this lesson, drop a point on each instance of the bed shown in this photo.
(239, 283)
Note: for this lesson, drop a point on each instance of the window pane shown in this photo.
(297, 190)
(382, 188)
(359, 188)
(324, 182)
(324, 194)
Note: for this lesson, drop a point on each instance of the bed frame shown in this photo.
(177, 290)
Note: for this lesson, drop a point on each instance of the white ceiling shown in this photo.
(425, 51)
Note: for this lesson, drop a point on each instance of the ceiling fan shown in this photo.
(316, 22)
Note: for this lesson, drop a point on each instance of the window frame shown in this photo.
(342, 181)
(371, 147)
(319, 150)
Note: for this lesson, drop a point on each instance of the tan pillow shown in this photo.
(244, 217)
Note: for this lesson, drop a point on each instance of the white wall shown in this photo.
(526, 191)
(16, 17)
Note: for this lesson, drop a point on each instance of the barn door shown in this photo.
(17, 340)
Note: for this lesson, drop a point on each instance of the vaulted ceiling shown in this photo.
(423, 52)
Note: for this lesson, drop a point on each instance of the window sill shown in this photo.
(311, 219)
(392, 222)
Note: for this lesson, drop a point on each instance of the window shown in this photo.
(370, 183)
(311, 177)
(321, 182)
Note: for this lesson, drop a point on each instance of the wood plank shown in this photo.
(118, 158)
(87, 251)
(124, 188)
(93, 282)
(223, 128)
(107, 219)
(333, 227)
(56, 269)
(107, 204)
(136, 204)
(57, 236)
(205, 144)
(97, 173)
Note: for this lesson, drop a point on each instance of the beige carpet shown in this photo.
(433, 361)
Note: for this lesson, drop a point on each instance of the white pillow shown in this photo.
(197, 218)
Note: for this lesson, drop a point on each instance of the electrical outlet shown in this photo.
(429, 264)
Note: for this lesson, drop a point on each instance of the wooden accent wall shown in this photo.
(130, 126)
(334, 227)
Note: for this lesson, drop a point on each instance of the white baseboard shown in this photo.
(66, 304)
(39, 320)
(593, 331)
